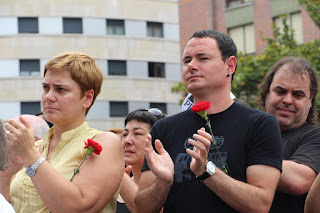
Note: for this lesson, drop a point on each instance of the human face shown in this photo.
(289, 98)
(202, 65)
(62, 100)
(133, 142)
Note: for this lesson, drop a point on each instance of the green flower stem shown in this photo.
(224, 165)
(78, 169)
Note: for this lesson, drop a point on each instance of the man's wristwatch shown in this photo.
(210, 170)
(31, 170)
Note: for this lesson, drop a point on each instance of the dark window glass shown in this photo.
(28, 25)
(72, 25)
(161, 106)
(154, 29)
(117, 67)
(118, 109)
(30, 67)
(156, 70)
(115, 27)
(30, 107)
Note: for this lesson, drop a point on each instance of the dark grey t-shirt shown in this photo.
(301, 145)
(245, 137)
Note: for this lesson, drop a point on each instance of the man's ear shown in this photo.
(232, 63)
(88, 98)
(310, 99)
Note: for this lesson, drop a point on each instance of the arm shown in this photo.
(92, 188)
(254, 196)
(155, 184)
(313, 199)
(128, 192)
(296, 179)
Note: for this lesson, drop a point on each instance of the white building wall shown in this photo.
(9, 110)
(135, 28)
(42, 64)
(137, 105)
(137, 69)
(134, 47)
(173, 108)
(173, 71)
(103, 66)
(9, 68)
(8, 25)
(94, 26)
(171, 31)
(99, 110)
(50, 25)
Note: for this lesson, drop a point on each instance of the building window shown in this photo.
(30, 107)
(154, 29)
(294, 21)
(233, 3)
(161, 106)
(244, 38)
(117, 67)
(115, 27)
(72, 25)
(30, 67)
(118, 109)
(28, 25)
(156, 70)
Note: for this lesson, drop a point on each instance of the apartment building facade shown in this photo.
(245, 20)
(135, 42)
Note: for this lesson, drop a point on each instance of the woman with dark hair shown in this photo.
(138, 125)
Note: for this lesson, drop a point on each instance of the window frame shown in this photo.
(24, 109)
(244, 29)
(114, 25)
(153, 73)
(66, 22)
(152, 27)
(28, 25)
(28, 72)
(120, 112)
(298, 33)
(118, 64)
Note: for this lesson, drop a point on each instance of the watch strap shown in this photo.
(31, 170)
(210, 170)
(204, 176)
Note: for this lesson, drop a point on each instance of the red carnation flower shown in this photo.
(91, 144)
(91, 147)
(201, 106)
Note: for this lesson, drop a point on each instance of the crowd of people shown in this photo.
(233, 159)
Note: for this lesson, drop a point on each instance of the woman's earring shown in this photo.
(228, 75)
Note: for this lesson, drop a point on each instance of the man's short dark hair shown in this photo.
(300, 66)
(226, 45)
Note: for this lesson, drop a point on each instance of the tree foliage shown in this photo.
(180, 88)
(313, 7)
